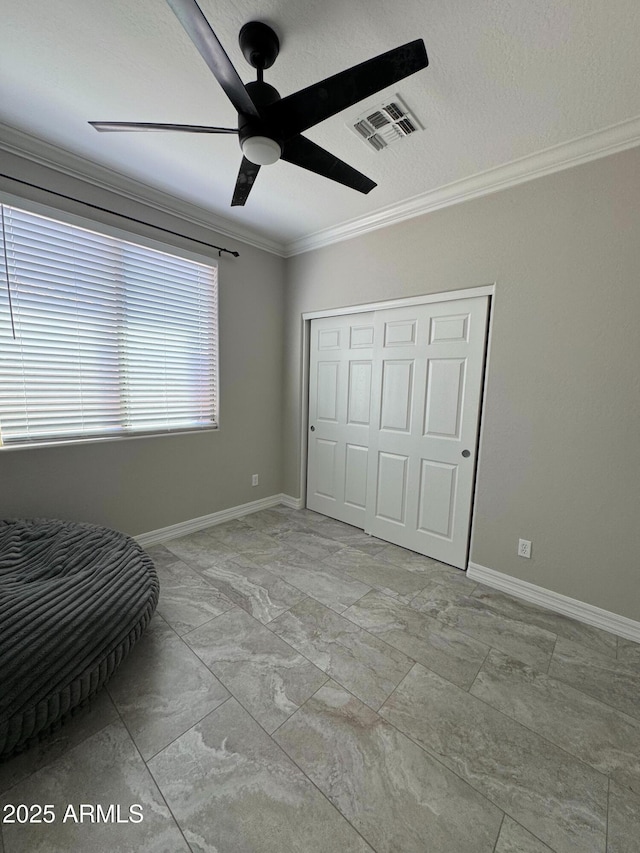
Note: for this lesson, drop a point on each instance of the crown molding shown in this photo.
(36, 150)
(592, 146)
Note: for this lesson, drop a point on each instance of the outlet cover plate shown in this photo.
(524, 548)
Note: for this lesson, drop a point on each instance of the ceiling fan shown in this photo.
(270, 127)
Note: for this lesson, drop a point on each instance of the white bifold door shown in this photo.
(394, 404)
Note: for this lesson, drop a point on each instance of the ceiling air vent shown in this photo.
(386, 124)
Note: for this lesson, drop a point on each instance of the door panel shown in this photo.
(427, 420)
(329, 339)
(444, 396)
(359, 404)
(326, 455)
(392, 487)
(327, 385)
(399, 333)
(340, 412)
(355, 476)
(397, 394)
(450, 327)
(437, 498)
(361, 336)
(394, 400)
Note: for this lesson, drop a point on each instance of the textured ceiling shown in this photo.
(506, 79)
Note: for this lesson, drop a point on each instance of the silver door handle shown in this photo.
(466, 453)
(313, 429)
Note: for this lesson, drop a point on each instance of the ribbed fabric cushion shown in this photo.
(74, 598)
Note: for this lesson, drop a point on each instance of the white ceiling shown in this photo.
(507, 79)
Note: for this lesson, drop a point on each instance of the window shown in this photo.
(100, 337)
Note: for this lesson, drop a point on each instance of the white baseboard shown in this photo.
(293, 503)
(192, 525)
(579, 610)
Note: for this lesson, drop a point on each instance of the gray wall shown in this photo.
(142, 484)
(560, 455)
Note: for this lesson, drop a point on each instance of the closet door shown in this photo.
(427, 382)
(339, 414)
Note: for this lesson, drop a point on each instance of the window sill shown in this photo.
(74, 442)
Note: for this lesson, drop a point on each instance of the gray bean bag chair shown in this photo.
(74, 598)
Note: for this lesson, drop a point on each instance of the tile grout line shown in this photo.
(480, 668)
(606, 837)
(147, 768)
(271, 735)
(435, 755)
(504, 814)
(240, 702)
(208, 622)
(396, 649)
(193, 725)
(308, 699)
(320, 791)
(397, 686)
(594, 697)
(427, 616)
(157, 784)
(385, 560)
(370, 634)
(592, 648)
(386, 722)
(450, 626)
(333, 677)
(544, 843)
(553, 651)
(278, 542)
(188, 647)
(537, 734)
(286, 610)
(467, 690)
(444, 624)
(402, 680)
(274, 741)
(413, 662)
(54, 758)
(201, 572)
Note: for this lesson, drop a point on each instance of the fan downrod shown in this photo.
(260, 45)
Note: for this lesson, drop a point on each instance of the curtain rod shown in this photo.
(220, 249)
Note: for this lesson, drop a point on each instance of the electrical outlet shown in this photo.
(524, 548)
(254, 479)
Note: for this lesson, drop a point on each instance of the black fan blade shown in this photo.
(115, 126)
(302, 152)
(246, 177)
(199, 31)
(314, 104)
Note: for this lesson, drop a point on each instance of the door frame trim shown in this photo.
(404, 302)
(422, 299)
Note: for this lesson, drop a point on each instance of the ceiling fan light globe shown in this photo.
(261, 151)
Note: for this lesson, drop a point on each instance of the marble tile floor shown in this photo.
(304, 687)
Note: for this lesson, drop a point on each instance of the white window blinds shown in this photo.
(111, 338)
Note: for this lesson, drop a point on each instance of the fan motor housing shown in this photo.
(259, 43)
(262, 94)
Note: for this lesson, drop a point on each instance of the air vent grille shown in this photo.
(377, 119)
(385, 124)
(394, 111)
(377, 142)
